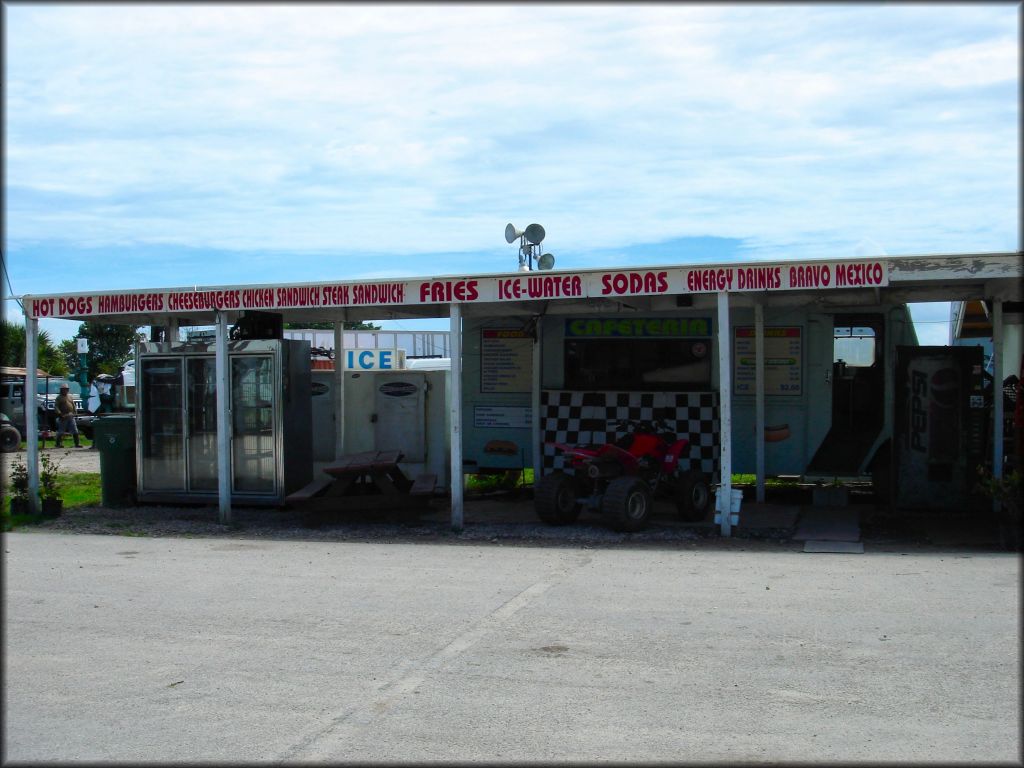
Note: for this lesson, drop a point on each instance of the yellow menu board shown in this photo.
(783, 361)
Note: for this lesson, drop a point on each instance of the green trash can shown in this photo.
(114, 436)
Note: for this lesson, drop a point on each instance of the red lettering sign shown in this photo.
(440, 291)
(710, 279)
(621, 283)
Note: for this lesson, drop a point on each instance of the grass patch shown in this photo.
(769, 482)
(78, 489)
(501, 481)
(68, 441)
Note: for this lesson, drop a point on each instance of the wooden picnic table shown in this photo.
(364, 481)
(379, 468)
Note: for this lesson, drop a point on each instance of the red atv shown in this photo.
(620, 479)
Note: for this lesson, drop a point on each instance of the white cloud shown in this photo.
(975, 65)
(341, 128)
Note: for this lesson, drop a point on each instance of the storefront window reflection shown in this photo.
(680, 365)
(252, 408)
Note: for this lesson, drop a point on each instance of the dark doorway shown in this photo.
(858, 395)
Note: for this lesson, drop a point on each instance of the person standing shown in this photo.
(66, 413)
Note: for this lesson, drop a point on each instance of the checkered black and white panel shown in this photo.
(695, 414)
(589, 417)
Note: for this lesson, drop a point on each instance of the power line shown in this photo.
(12, 297)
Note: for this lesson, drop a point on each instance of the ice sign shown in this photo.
(373, 359)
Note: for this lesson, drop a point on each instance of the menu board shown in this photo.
(502, 416)
(506, 360)
(783, 361)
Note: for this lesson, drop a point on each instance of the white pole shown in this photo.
(537, 457)
(455, 414)
(339, 388)
(223, 420)
(724, 502)
(997, 389)
(759, 396)
(31, 410)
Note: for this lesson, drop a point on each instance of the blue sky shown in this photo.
(161, 145)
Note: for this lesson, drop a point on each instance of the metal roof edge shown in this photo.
(898, 260)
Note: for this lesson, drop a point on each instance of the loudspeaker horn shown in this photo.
(534, 234)
(511, 233)
(545, 261)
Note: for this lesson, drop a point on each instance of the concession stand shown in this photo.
(769, 368)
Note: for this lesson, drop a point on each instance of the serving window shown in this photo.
(679, 365)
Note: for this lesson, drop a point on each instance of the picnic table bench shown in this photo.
(371, 480)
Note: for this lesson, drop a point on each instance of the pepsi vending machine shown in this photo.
(940, 427)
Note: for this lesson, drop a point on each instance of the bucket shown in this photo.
(734, 508)
(737, 499)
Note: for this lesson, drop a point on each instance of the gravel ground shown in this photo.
(506, 518)
(75, 459)
(486, 521)
(500, 517)
(67, 459)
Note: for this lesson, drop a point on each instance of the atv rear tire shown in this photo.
(10, 438)
(627, 504)
(555, 499)
(693, 496)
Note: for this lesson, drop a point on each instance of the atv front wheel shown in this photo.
(627, 504)
(555, 499)
(693, 496)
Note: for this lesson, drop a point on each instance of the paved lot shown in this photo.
(240, 649)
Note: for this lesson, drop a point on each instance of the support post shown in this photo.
(32, 410)
(997, 391)
(538, 455)
(759, 424)
(339, 388)
(455, 414)
(724, 501)
(223, 420)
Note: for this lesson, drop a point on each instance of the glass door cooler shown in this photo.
(270, 419)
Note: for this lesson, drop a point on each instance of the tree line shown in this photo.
(110, 346)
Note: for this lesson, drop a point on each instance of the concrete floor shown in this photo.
(235, 648)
